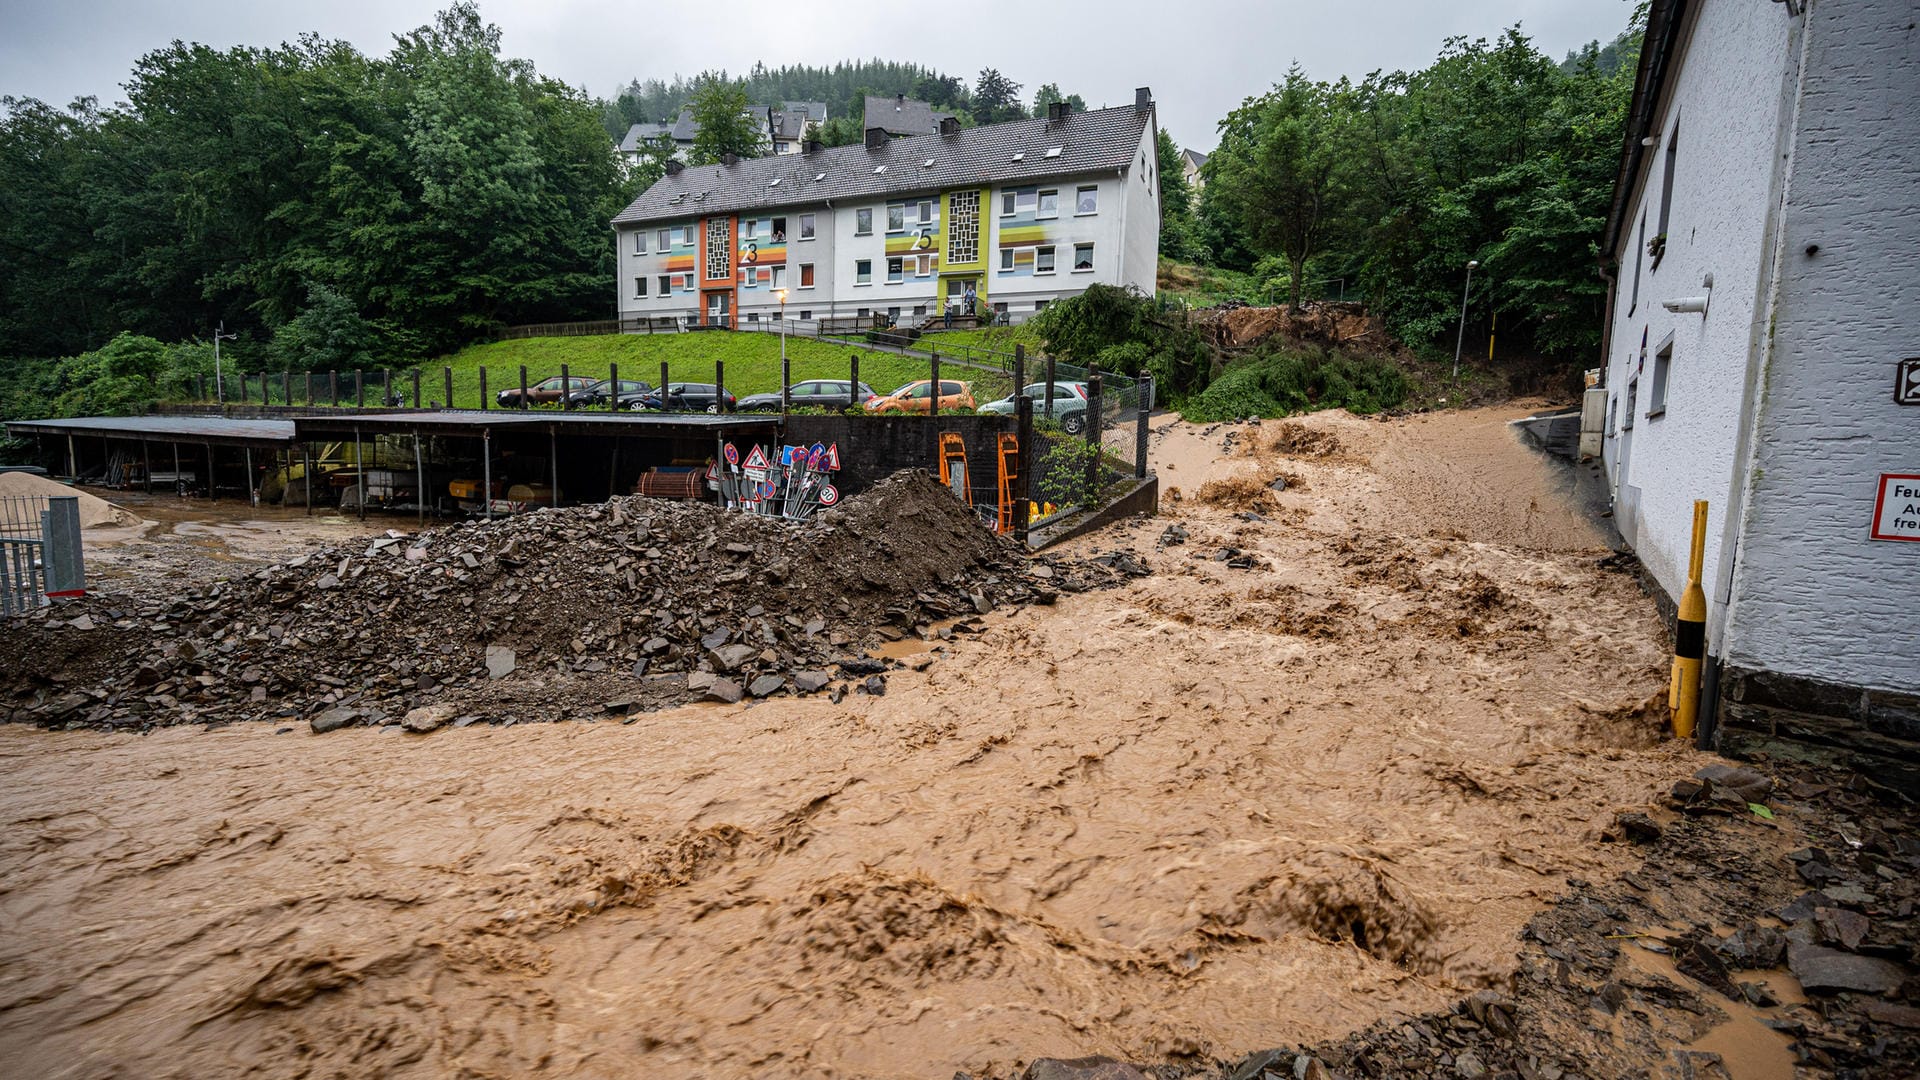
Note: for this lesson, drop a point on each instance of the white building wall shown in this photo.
(1814, 596)
(651, 265)
(1724, 109)
(1021, 287)
(1142, 215)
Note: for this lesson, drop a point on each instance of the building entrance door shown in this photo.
(719, 308)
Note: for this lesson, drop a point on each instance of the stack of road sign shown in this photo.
(793, 487)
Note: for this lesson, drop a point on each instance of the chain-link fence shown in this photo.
(376, 388)
(1089, 434)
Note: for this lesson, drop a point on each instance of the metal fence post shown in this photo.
(483, 388)
(333, 387)
(1049, 400)
(416, 388)
(1093, 433)
(1145, 389)
(933, 399)
(360, 389)
(60, 551)
(566, 388)
(523, 403)
(719, 387)
(1024, 458)
(853, 382)
(613, 389)
(663, 386)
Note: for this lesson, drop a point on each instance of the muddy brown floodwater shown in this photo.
(1215, 810)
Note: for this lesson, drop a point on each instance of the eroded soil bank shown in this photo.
(1315, 772)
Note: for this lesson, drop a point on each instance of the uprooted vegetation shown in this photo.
(1283, 382)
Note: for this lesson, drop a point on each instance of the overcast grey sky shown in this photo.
(1201, 57)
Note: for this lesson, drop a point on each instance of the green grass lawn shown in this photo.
(995, 338)
(752, 363)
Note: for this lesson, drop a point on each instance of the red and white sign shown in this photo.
(756, 458)
(1896, 512)
(829, 495)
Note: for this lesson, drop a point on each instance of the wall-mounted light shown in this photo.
(1692, 303)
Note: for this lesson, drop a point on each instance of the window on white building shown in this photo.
(923, 266)
(1049, 204)
(806, 226)
(639, 241)
(863, 272)
(863, 221)
(666, 284)
(1043, 259)
(779, 277)
(897, 217)
(806, 275)
(639, 287)
(1639, 253)
(1657, 391)
(1088, 201)
(1666, 194)
(926, 211)
(665, 243)
(1083, 256)
(894, 271)
(1008, 201)
(1006, 258)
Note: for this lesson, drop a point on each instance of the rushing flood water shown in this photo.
(1217, 810)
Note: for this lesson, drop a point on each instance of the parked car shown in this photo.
(594, 394)
(823, 393)
(1069, 404)
(915, 397)
(544, 392)
(682, 397)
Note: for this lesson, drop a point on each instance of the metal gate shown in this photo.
(39, 551)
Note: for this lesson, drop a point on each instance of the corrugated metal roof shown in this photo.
(1089, 142)
(455, 421)
(220, 429)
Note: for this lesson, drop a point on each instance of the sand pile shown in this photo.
(642, 592)
(95, 512)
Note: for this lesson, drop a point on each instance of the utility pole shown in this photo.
(1472, 264)
(219, 384)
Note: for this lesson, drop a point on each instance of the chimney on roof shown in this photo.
(811, 146)
(949, 125)
(876, 138)
(899, 100)
(1143, 101)
(1057, 112)
(675, 166)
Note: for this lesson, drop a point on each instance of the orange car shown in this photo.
(914, 397)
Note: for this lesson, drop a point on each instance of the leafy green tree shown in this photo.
(1119, 329)
(1281, 171)
(726, 124)
(1050, 94)
(330, 335)
(1179, 230)
(996, 98)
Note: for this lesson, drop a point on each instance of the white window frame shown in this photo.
(639, 241)
(640, 287)
(806, 271)
(925, 209)
(1660, 381)
(779, 277)
(858, 228)
(1046, 250)
(1091, 264)
(896, 269)
(666, 239)
(1009, 203)
(923, 266)
(862, 272)
(1082, 190)
(806, 226)
(896, 212)
(1040, 209)
(1006, 259)
(750, 229)
(666, 284)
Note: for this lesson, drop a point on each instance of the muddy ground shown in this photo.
(1353, 753)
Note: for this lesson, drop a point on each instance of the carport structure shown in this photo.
(591, 455)
(133, 445)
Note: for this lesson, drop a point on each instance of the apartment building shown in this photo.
(1014, 216)
(785, 128)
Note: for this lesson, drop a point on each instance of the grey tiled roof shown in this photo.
(639, 133)
(1196, 157)
(1089, 142)
(902, 116)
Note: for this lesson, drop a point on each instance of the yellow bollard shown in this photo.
(1690, 634)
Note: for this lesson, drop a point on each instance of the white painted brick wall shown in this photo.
(1813, 595)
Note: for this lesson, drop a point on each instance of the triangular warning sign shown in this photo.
(756, 458)
(713, 470)
(833, 458)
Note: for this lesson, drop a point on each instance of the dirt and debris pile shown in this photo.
(673, 598)
(95, 512)
(1317, 322)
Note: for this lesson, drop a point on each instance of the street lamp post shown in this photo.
(1458, 341)
(219, 383)
(786, 380)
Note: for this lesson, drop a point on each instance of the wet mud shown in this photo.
(1246, 801)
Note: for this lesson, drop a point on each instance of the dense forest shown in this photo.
(334, 209)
